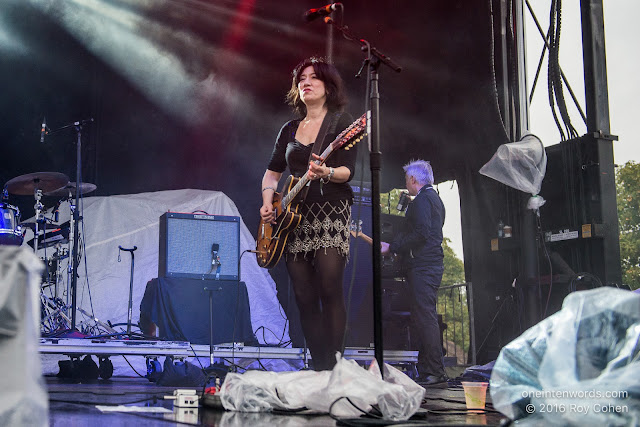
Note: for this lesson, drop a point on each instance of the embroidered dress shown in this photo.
(326, 210)
(324, 225)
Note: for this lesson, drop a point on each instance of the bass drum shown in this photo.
(10, 228)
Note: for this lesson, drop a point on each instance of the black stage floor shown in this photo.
(75, 404)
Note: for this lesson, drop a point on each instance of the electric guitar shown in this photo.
(272, 238)
(391, 263)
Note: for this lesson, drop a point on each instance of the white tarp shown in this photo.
(133, 220)
(345, 391)
(520, 165)
(23, 394)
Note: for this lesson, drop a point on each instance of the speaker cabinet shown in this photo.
(360, 332)
(199, 246)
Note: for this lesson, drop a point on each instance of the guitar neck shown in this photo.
(286, 200)
(362, 236)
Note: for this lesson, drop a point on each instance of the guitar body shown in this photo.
(272, 238)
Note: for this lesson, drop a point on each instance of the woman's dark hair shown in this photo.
(334, 86)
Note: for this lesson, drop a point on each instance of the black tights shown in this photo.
(317, 283)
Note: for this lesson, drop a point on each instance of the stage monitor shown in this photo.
(199, 246)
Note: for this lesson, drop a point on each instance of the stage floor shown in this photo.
(73, 403)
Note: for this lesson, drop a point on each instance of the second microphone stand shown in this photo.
(75, 214)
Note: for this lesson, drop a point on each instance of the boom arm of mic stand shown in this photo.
(364, 45)
(74, 124)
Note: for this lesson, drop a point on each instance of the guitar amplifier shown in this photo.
(199, 246)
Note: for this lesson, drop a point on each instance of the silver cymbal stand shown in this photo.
(72, 209)
(39, 208)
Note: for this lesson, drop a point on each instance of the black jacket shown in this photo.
(289, 152)
(420, 241)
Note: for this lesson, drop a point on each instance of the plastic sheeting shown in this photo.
(23, 396)
(133, 220)
(578, 367)
(520, 165)
(397, 396)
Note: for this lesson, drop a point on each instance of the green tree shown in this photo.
(628, 194)
(453, 266)
(452, 302)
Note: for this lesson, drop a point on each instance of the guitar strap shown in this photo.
(328, 125)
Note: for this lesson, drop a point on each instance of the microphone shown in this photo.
(403, 202)
(312, 14)
(43, 131)
(56, 210)
(215, 260)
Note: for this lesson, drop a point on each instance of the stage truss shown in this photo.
(74, 347)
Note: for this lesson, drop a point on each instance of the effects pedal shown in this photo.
(184, 398)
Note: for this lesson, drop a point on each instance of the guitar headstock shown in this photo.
(351, 135)
(356, 231)
(355, 228)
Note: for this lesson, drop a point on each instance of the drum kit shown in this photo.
(46, 234)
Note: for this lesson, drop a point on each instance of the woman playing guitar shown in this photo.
(315, 226)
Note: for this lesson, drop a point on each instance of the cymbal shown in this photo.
(26, 185)
(85, 187)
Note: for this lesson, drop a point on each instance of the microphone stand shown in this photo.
(76, 214)
(130, 310)
(373, 60)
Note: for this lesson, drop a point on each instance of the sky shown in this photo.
(622, 34)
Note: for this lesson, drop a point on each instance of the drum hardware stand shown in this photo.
(58, 256)
(59, 311)
(39, 208)
(71, 243)
(130, 312)
(98, 322)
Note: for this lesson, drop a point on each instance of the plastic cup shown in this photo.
(475, 395)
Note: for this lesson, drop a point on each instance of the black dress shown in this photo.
(326, 211)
